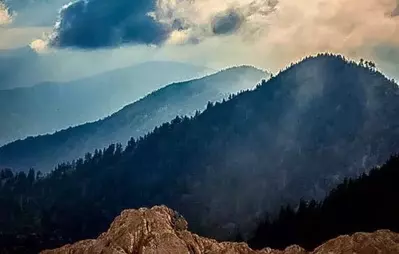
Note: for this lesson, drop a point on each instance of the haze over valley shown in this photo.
(154, 125)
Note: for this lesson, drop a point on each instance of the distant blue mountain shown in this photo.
(295, 136)
(134, 120)
(48, 107)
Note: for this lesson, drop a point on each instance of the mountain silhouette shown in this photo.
(295, 136)
(48, 107)
(364, 204)
(135, 120)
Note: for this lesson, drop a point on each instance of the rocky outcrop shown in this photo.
(161, 230)
(382, 241)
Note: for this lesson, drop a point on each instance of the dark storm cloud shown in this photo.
(227, 22)
(105, 23)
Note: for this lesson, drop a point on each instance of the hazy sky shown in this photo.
(266, 33)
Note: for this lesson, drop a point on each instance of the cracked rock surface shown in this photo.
(160, 230)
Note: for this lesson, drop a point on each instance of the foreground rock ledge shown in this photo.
(161, 230)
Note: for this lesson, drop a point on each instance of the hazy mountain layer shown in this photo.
(293, 137)
(45, 152)
(49, 107)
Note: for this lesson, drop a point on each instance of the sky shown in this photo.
(217, 33)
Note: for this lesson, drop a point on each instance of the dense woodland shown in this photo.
(364, 204)
(295, 136)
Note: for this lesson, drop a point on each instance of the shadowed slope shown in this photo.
(295, 136)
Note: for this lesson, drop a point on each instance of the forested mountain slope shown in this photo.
(134, 120)
(295, 136)
(365, 204)
(49, 107)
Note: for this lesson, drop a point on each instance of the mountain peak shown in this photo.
(243, 68)
(162, 230)
(133, 120)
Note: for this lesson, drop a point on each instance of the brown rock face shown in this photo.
(379, 242)
(160, 230)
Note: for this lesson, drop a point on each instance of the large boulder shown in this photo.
(161, 230)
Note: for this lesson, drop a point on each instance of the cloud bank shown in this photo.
(285, 28)
(269, 33)
(351, 27)
(279, 32)
(104, 23)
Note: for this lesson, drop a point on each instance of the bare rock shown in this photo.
(160, 230)
(382, 241)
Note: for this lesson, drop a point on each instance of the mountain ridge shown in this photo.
(115, 72)
(295, 136)
(133, 120)
(362, 204)
(51, 106)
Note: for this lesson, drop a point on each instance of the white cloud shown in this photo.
(5, 15)
(284, 31)
(197, 15)
(304, 27)
(14, 37)
(275, 32)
